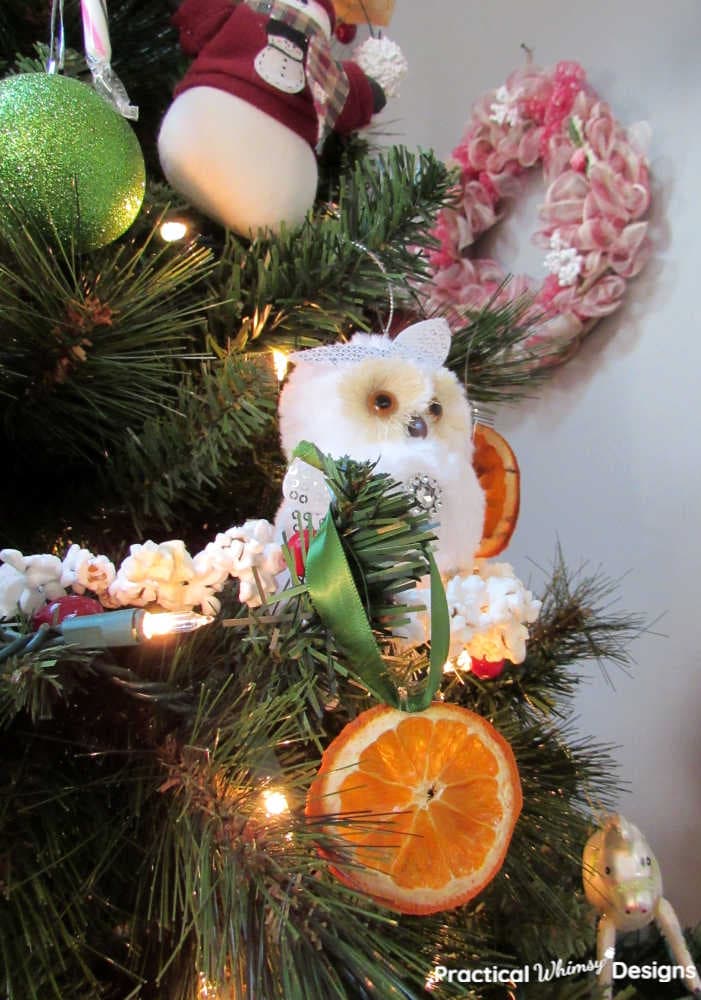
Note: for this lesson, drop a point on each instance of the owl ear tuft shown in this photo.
(427, 343)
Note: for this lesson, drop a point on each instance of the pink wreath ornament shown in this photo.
(598, 191)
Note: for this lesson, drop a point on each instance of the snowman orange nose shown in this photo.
(417, 427)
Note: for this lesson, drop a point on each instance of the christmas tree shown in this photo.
(166, 828)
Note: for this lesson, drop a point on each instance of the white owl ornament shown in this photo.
(392, 402)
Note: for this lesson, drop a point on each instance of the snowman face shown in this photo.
(315, 11)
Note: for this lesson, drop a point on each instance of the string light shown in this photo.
(280, 362)
(173, 230)
(129, 627)
(207, 990)
(462, 664)
(275, 802)
(432, 979)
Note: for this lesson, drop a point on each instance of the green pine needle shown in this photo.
(310, 285)
(181, 455)
(89, 347)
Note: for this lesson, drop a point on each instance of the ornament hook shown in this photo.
(57, 41)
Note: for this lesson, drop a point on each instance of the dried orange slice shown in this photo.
(423, 805)
(377, 12)
(497, 470)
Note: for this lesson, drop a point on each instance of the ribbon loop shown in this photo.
(336, 599)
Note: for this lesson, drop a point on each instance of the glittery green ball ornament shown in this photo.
(69, 162)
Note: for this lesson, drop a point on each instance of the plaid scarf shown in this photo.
(327, 81)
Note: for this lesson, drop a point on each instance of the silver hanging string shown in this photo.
(390, 291)
(480, 415)
(57, 42)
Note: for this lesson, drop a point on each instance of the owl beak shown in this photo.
(417, 427)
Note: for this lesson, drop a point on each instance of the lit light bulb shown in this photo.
(171, 622)
(275, 803)
(280, 363)
(173, 230)
(207, 990)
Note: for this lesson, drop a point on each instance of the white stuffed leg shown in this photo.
(605, 951)
(666, 920)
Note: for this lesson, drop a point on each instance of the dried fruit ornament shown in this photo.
(422, 805)
(498, 473)
(377, 12)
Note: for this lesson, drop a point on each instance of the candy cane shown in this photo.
(98, 53)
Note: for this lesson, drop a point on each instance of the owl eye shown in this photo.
(435, 409)
(382, 402)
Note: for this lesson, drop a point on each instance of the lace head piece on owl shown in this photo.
(425, 344)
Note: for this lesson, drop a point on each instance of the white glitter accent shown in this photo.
(425, 344)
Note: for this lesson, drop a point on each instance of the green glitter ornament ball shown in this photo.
(69, 162)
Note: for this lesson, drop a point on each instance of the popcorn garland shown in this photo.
(490, 611)
(153, 573)
(598, 190)
(27, 582)
(490, 608)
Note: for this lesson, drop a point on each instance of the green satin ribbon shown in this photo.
(336, 600)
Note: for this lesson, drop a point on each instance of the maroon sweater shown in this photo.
(226, 38)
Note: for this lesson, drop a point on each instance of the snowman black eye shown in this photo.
(382, 403)
(435, 409)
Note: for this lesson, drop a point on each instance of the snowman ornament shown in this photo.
(240, 139)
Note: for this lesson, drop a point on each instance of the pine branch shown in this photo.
(181, 455)
(489, 356)
(385, 542)
(65, 835)
(307, 286)
(258, 915)
(91, 346)
(577, 623)
(74, 62)
(35, 683)
(563, 779)
(384, 535)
